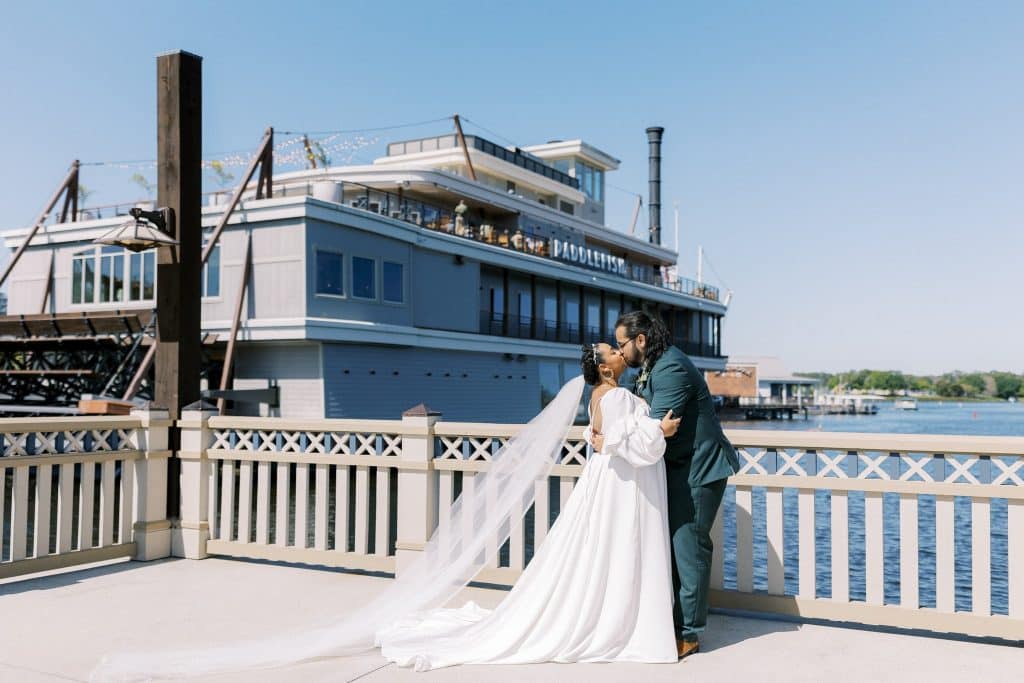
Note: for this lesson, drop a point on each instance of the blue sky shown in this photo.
(853, 170)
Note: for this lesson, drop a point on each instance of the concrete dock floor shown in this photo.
(56, 627)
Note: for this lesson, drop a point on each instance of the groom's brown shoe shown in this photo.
(685, 648)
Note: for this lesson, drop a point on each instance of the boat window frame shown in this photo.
(316, 271)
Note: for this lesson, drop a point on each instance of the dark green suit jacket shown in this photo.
(675, 382)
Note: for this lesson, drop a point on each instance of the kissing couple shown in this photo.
(622, 576)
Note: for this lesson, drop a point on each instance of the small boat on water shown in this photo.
(849, 404)
(905, 403)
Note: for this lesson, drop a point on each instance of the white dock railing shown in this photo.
(910, 468)
(465, 449)
(367, 494)
(319, 492)
(80, 490)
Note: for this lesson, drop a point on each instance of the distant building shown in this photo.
(759, 380)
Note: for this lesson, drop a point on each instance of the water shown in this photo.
(971, 419)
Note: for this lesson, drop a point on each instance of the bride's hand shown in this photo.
(597, 441)
(669, 424)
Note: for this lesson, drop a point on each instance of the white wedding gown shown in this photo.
(599, 589)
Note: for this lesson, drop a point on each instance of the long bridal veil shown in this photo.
(453, 556)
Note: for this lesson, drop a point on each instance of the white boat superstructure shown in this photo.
(850, 404)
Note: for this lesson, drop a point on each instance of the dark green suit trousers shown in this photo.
(698, 460)
(691, 514)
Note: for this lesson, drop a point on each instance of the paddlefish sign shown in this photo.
(592, 258)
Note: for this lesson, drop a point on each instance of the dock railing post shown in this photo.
(152, 529)
(194, 527)
(417, 486)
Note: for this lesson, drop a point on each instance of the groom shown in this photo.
(698, 459)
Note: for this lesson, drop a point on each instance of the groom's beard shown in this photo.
(636, 360)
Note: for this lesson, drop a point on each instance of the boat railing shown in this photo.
(426, 215)
(524, 327)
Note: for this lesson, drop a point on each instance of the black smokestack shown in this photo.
(654, 200)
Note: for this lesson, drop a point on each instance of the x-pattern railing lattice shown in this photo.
(67, 441)
(574, 453)
(302, 441)
(887, 465)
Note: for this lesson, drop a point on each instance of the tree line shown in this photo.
(993, 384)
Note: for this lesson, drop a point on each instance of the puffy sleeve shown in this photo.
(629, 433)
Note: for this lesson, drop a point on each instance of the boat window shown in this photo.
(611, 316)
(394, 287)
(525, 305)
(211, 274)
(111, 274)
(497, 301)
(364, 278)
(550, 309)
(594, 319)
(329, 273)
(550, 381)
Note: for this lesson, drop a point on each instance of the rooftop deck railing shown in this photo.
(512, 156)
(923, 532)
(426, 215)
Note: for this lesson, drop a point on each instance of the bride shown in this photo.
(599, 589)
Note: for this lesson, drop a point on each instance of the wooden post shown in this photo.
(140, 373)
(264, 159)
(265, 186)
(71, 180)
(465, 149)
(309, 151)
(179, 186)
(49, 284)
(71, 197)
(229, 357)
(636, 214)
(178, 270)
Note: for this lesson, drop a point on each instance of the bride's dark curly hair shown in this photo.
(590, 362)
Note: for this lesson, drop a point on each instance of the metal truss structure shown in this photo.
(51, 360)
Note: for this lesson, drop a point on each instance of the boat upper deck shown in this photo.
(429, 199)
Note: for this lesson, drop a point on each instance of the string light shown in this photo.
(332, 148)
(366, 130)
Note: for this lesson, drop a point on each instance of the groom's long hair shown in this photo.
(658, 338)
